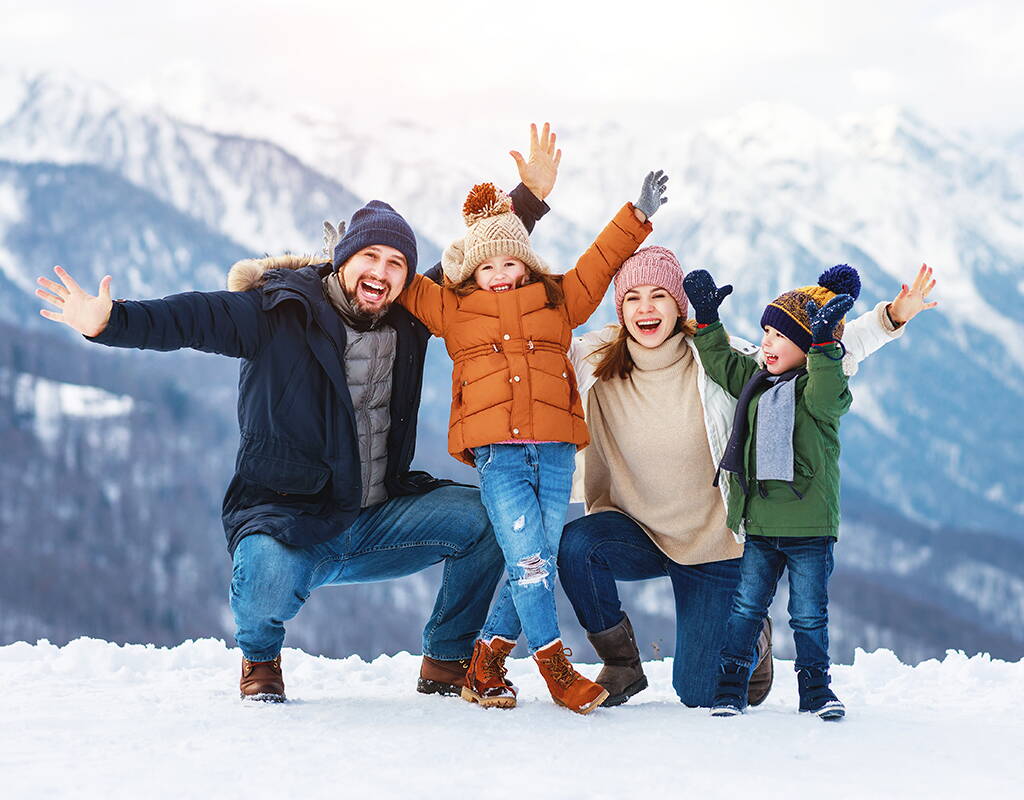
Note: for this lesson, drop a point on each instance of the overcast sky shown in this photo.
(956, 63)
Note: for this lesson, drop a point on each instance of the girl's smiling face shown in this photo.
(650, 314)
(500, 274)
(780, 354)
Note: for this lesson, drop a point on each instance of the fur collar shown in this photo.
(250, 273)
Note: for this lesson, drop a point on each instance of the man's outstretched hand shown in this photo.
(539, 172)
(88, 314)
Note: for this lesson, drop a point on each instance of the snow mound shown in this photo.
(97, 719)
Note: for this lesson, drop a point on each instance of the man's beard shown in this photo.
(345, 302)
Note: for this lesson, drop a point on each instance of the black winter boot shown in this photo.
(815, 695)
(622, 674)
(731, 693)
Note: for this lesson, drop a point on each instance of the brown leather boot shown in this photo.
(764, 672)
(568, 688)
(622, 674)
(485, 679)
(262, 680)
(442, 677)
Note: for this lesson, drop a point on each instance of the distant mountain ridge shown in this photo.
(934, 480)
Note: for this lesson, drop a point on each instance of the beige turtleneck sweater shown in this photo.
(649, 455)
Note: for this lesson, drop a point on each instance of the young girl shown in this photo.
(516, 414)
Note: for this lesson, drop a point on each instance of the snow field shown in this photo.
(96, 719)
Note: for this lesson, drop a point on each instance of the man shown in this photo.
(329, 391)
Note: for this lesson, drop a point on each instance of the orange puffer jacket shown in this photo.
(512, 377)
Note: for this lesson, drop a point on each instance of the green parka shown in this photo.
(822, 396)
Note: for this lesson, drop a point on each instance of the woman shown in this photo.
(658, 429)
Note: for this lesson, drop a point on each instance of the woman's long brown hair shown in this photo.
(614, 360)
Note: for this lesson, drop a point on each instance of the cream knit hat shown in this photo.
(494, 230)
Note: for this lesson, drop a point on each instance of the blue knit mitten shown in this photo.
(823, 320)
(704, 296)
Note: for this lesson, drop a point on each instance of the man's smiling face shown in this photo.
(374, 277)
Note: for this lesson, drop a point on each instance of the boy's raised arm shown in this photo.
(726, 367)
(827, 394)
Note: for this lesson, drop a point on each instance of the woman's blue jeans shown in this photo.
(525, 489)
(601, 548)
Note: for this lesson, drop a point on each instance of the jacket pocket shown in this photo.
(283, 477)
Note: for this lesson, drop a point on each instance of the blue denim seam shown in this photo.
(428, 634)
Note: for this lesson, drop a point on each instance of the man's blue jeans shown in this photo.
(601, 548)
(809, 562)
(525, 488)
(271, 580)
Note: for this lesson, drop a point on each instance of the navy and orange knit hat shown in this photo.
(786, 313)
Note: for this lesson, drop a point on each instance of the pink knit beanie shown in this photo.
(651, 266)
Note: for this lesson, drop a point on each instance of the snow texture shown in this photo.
(94, 719)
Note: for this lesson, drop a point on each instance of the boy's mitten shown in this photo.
(704, 296)
(824, 320)
(651, 193)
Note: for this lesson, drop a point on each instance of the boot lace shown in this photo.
(494, 665)
(560, 668)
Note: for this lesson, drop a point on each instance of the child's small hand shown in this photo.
(704, 296)
(540, 172)
(652, 194)
(911, 300)
(824, 320)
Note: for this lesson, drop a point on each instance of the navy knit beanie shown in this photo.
(377, 223)
(786, 313)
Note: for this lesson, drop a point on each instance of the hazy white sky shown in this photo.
(957, 63)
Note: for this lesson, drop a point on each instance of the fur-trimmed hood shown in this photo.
(250, 273)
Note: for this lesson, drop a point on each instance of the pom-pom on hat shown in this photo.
(787, 313)
(651, 266)
(493, 230)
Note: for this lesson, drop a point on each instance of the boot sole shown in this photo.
(425, 686)
(487, 702)
(830, 712)
(634, 688)
(594, 705)
(264, 697)
(725, 711)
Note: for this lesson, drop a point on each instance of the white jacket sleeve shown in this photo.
(865, 334)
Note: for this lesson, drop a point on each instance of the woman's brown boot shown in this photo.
(622, 674)
(485, 679)
(568, 688)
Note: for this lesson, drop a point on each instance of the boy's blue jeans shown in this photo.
(271, 581)
(525, 489)
(809, 562)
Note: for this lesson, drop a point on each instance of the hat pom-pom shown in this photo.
(485, 200)
(841, 279)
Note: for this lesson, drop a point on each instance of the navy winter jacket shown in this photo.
(297, 474)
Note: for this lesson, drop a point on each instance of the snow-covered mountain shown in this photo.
(164, 199)
(766, 198)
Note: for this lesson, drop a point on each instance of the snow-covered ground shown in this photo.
(93, 719)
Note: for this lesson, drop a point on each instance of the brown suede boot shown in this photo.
(622, 674)
(442, 677)
(262, 680)
(764, 672)
(568, 688)
(485, 679)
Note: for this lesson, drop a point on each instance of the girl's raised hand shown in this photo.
(652, 194)
(539, 173)
(911, 300)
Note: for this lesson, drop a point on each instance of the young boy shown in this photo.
(783, 462)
